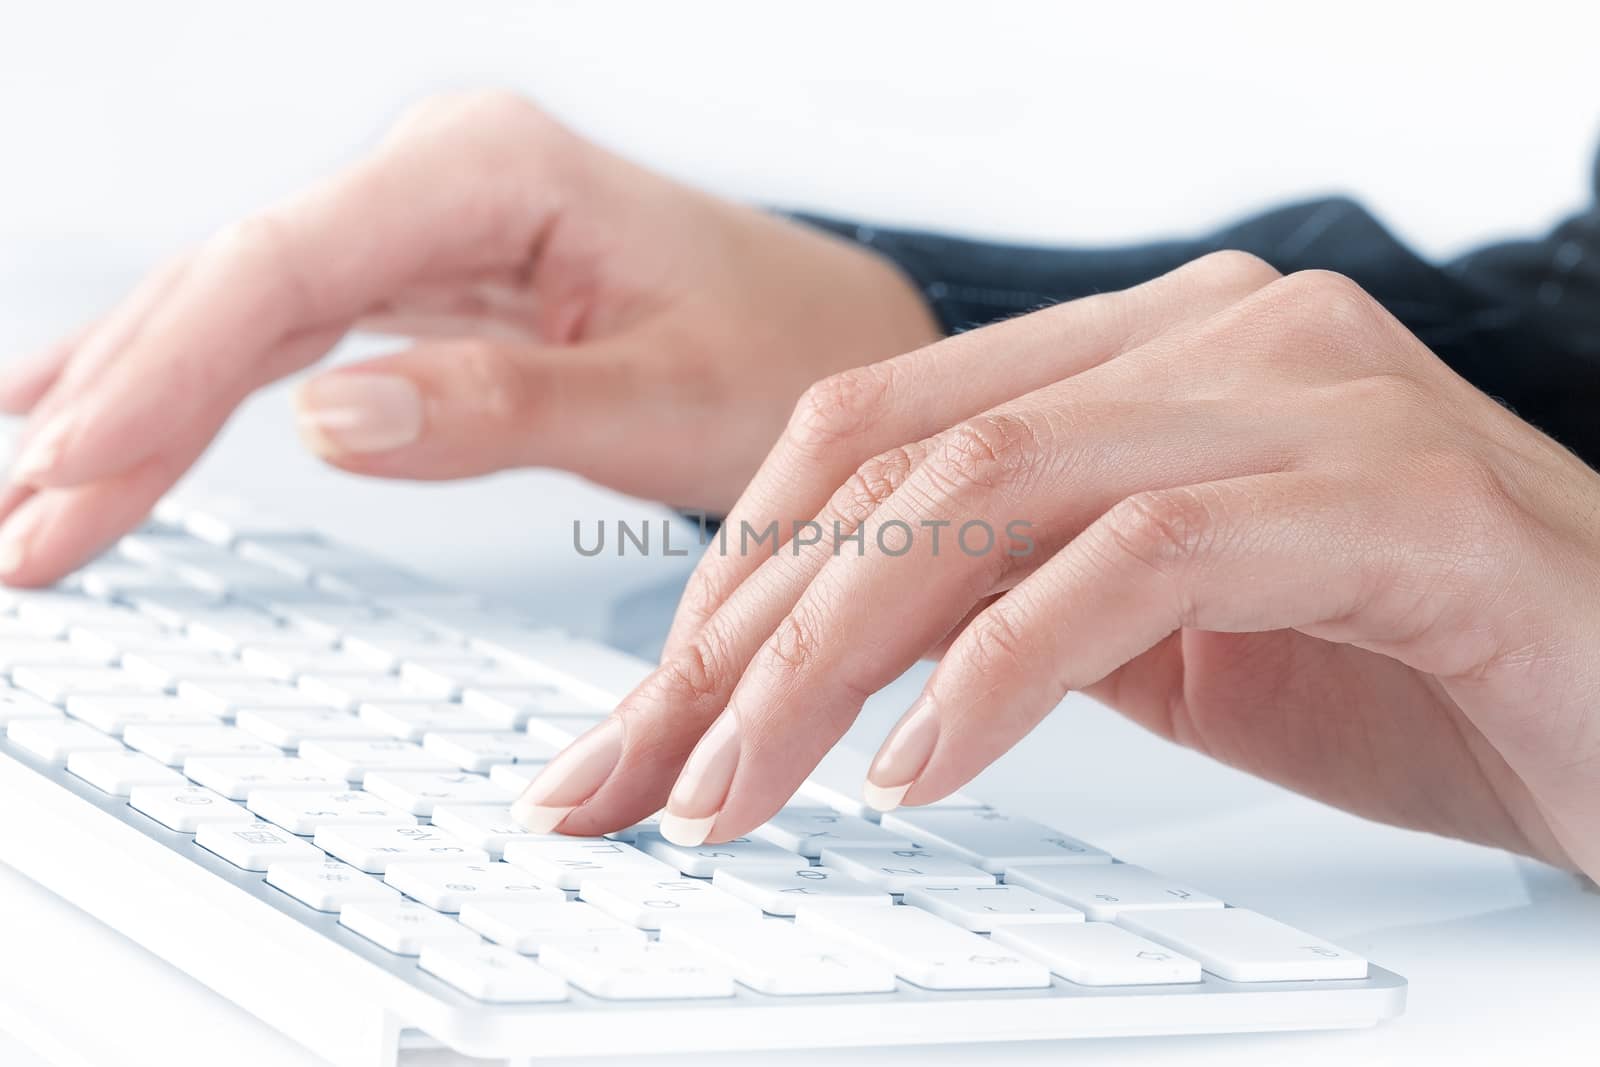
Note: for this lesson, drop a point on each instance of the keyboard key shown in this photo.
(54, 740)
(419, 791)
(491, 974)
(773, 957)
(175, 743)
(285, 663)
(353, 759)
(573, 862)
(982, 908)
(897, 869)
(304, 811)
(1245, 946)
(184, 808)
(651, 971)
(292, 727)
(559, 730)
(528, 925)
(253, 845)
(225, 520)
(836, 783)
(373, 848)
(924, 949)
(592, 672)
(329, 885)
(114, 714)
(234, 631)
(1104, 891)
(56, 684)
(990, 839)
(1099, 954)
(510, 707)
(117, 771)
(15, 704)
(224, 699)
(778, 891)
(651, 903)
(449, 675)
(477, 751)
(112, 642)
(409, 722)
(630, 834)
(43, 652)
(164, 670)
(350, 691)
(236, 777)
(809, 830)
(514, 777)
(450, 886)
(485, 826)
(403, 927)
(706, 860)
(386, 653)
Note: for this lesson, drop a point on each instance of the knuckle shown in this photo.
(705, 591)
(261, 244)
(695, 674)
(839, 407)
(1162, 529)
(796, 641)
(1328, 299)
(495, 379)
(1232, 269)
(872, 484)
(998, 646)
(492, 108)
(987, 451)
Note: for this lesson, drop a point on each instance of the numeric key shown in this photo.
(991, 839)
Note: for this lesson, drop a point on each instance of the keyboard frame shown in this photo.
(356, 1004)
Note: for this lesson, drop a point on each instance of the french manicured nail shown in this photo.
(570, 779)
(903, 756)
(702, 785)
(40, 452)
(356, 412)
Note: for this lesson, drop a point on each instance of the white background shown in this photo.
(129, 129)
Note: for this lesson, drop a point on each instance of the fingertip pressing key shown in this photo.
(571, 778)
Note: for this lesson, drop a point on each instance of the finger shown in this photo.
(23, 382)
(844, 420)
(391, 221)
(44, 534)
(868, 618)
(52, 531)
(82, 354)
(452, 409)
(624, 770)
(1262, 552)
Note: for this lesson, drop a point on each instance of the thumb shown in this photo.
(452, 409)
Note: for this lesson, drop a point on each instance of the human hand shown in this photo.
(568, 309)
(1269, 524)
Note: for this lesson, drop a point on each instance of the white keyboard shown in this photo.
(285, 767)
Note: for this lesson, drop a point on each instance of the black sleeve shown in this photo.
(1519, 320)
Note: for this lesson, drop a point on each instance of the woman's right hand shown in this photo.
(567, 308)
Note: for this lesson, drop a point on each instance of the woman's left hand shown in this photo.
(1267, 522)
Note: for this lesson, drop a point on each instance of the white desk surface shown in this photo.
(132, 129)
(1500, 953)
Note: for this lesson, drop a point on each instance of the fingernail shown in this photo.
(356, 412)
(702, 785)
(574, 776)
(40, 452)
(904, 754)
